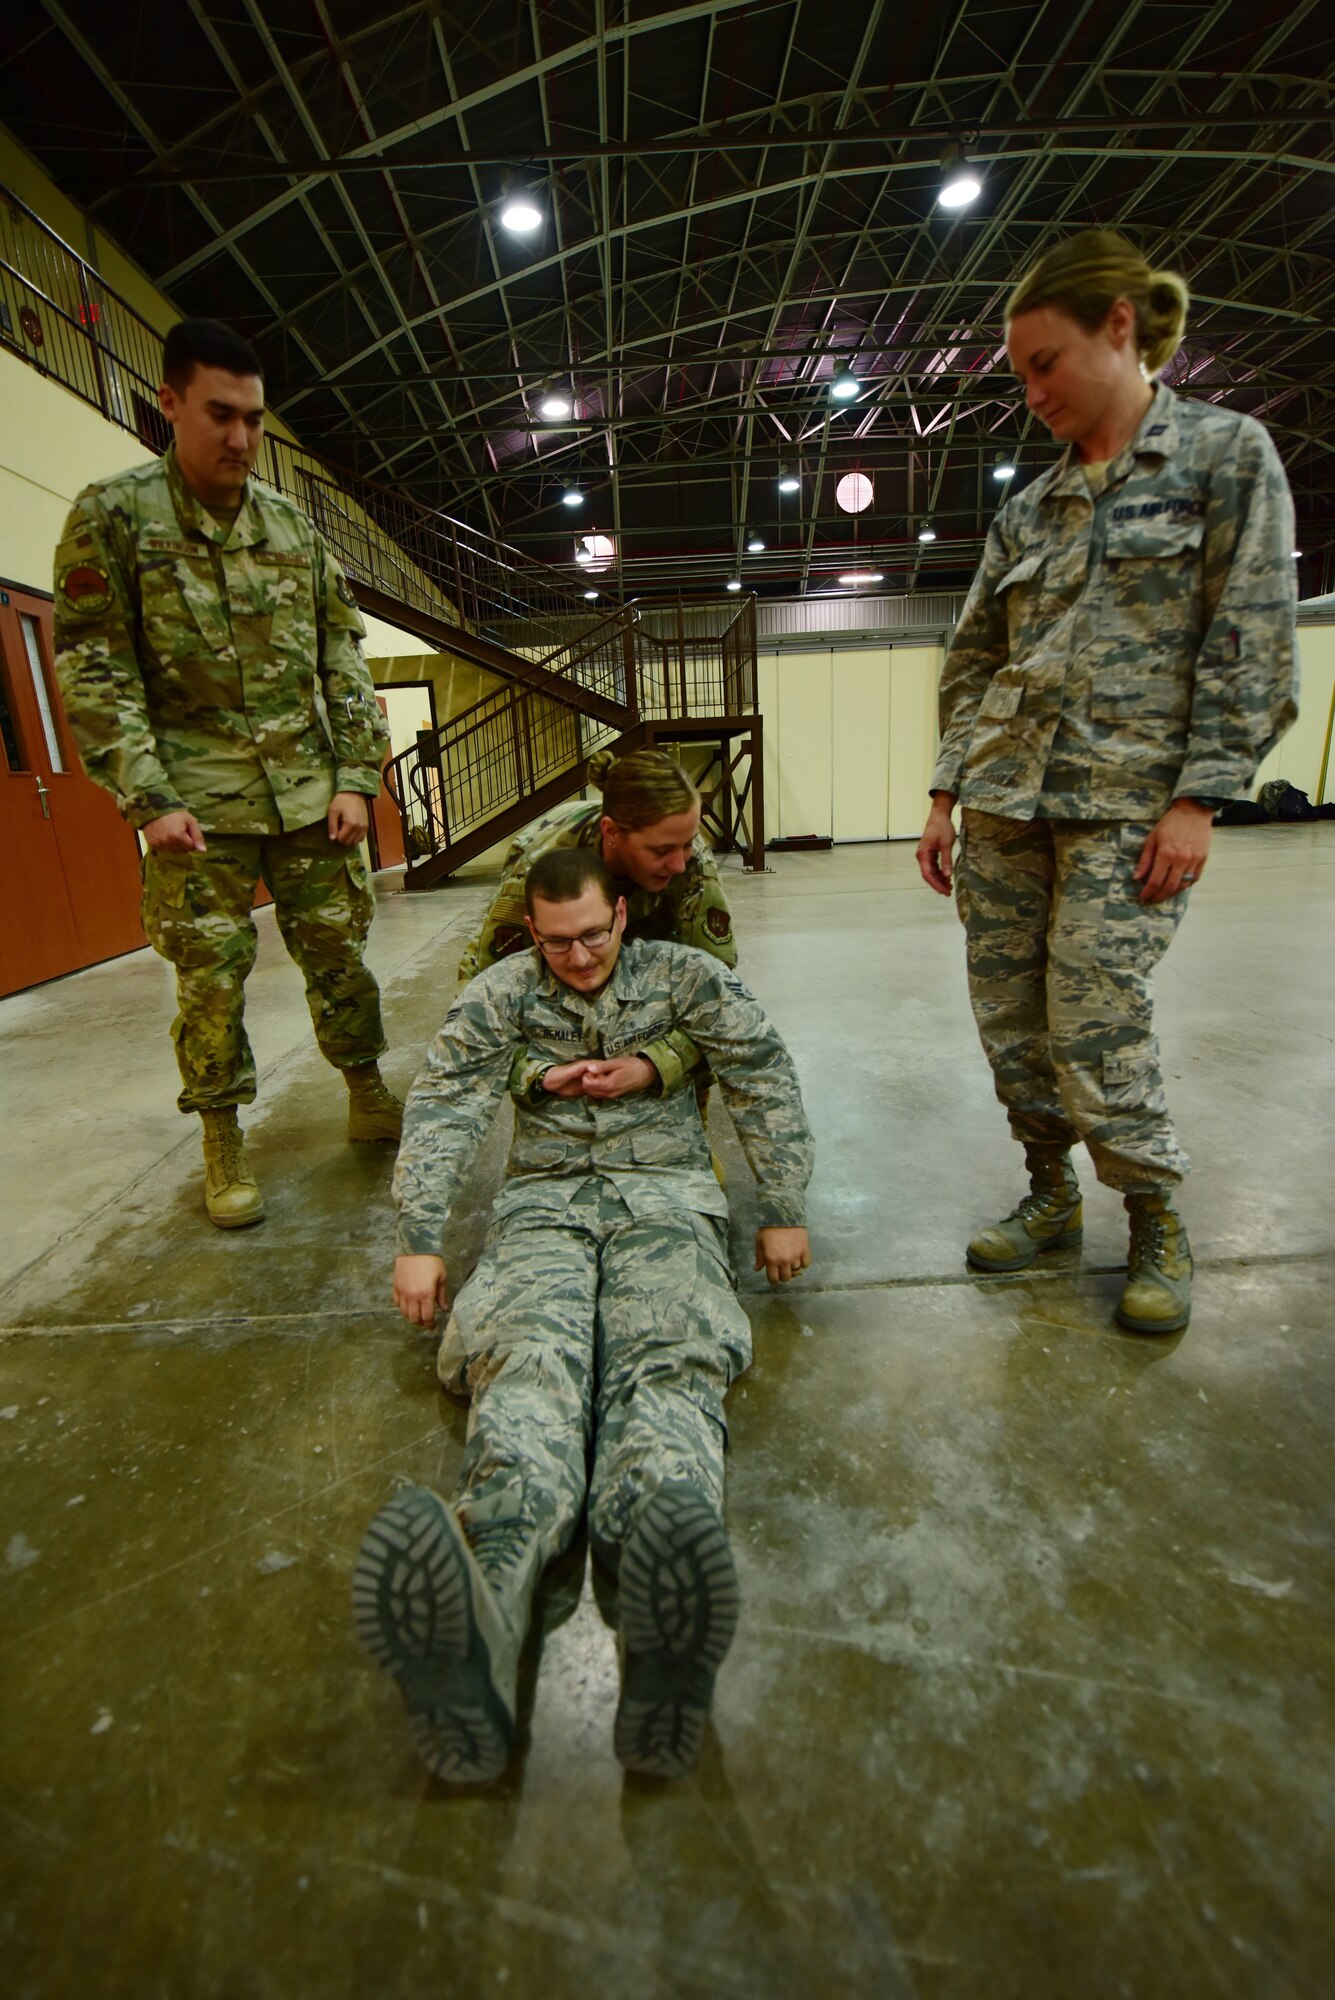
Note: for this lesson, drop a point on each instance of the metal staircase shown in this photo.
(574, 677)
(645, 675)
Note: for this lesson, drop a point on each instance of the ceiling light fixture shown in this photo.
(1296, 554)
(960, 185)
(927, 533)
(589, 595)
(854, 493)
(571, 497)
(733, 583)
(520, 213)
(844, 386)
(754, 545)
(583, 556)
(1003, 469)
(554, 403)
(863, 576)
(788, 481)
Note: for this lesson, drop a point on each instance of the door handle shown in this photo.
(41, 793)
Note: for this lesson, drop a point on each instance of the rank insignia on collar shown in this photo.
(86, 589)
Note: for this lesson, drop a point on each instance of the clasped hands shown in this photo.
(616, 1076)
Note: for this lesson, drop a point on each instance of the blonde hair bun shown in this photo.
(642, 787)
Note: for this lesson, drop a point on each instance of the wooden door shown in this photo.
(69, 884)
(386, 828)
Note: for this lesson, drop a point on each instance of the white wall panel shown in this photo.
(768, 692)
(914, 673)
(860, 739)
(1298, 755)
(805, 699)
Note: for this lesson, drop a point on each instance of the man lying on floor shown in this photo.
(601, 1324)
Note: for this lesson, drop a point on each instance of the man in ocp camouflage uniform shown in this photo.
(602, 1317)
(207, 646)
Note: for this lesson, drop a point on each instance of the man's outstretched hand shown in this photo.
(782, 1253)
(419, 1287)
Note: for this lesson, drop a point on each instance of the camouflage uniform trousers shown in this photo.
(591, 1329)
(1061, 958)
(197, 914)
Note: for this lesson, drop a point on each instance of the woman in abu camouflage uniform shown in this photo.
(1124, 661)
(646, 826)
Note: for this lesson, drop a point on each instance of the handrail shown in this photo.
(61, 316)
(520, 742)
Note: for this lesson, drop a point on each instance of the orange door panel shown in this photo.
(69, 890)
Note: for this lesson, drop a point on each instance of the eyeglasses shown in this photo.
(558, 947)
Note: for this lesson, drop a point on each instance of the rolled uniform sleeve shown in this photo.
(759, 1085)
(357, 729)
(1246, 675)
(96, 665)
(446, 1117)
(504, 929)
(980, 646)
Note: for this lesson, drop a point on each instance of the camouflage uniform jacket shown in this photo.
(652, 1149)
(190, 656)
(1115, 654)
(691, 910)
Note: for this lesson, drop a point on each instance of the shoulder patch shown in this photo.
(86, 589)
(344, 589)
(508, 938)
(718, 923)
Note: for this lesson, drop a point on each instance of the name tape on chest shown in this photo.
(167, 545)
(282, 559)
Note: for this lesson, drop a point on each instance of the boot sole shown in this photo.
(413, 1611)
(1071, 1240)
(678, 1607)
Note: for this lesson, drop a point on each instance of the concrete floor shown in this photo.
(1033, 1687)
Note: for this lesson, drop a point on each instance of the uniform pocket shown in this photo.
(657, 1149)
(1023, 571)
(1161, 540)
(1001, 700)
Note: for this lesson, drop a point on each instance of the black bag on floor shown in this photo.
(1281, 800)
(1242, 812)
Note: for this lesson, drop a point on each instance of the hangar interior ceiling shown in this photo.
(738, 199)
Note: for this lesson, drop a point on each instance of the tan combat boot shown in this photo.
(374, 1113)
(427, 1609)
(1157, 1298)
(1049, 1218)
(230, 1194)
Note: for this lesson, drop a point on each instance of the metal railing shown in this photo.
(654, 663)
(61, 317)
(659, 663)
